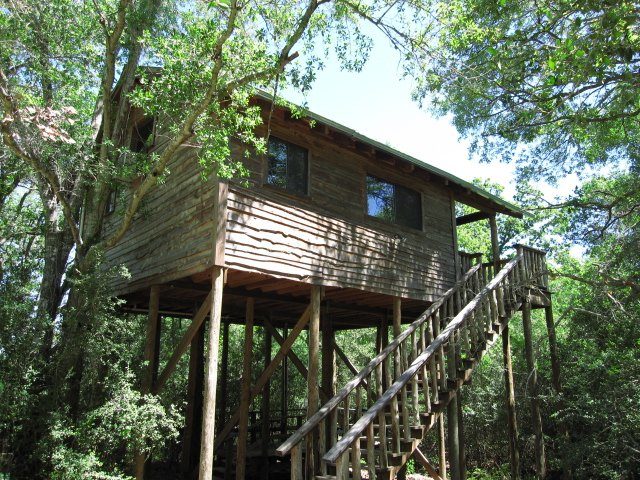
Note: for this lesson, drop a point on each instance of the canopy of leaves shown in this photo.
(551, 83)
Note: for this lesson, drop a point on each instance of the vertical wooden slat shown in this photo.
(245, 392)
(296, 462)
(313, 394)
(211, 376)
(371, 462)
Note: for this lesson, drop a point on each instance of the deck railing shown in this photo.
(393, 400)
(321, 431)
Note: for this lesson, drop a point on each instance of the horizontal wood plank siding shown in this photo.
(325, 238)
(172, 233)
(267, 235)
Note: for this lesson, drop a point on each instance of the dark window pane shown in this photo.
(297, 170)
(288, 166)
(408, 207)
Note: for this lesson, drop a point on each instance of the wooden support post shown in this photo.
(442, 455)
(329, 378)
(453, 438)
(245, 393)
(265, 410)
(151, 355)
(533, 382)
(224, 383)
(313, 394)
(266, 375)
(284, 393)
(211, 377)
(461, 439)
(511, 405)
(193, 417)
(384, 342)
(556, 382)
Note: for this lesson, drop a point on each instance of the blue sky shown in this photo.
(376, 103)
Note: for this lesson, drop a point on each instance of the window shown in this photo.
(111, 201)
(288, 166)
(393, 203)
(142, 136)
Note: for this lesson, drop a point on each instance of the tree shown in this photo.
(552, 84)
(72, 73)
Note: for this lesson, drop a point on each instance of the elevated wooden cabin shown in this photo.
(331, 230)
(281, 230)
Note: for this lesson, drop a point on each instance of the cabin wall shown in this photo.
(172, 234)
(324, 238)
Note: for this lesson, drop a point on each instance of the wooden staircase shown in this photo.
(374, 424)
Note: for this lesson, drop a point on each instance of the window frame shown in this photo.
(393, 222)
(285, 191)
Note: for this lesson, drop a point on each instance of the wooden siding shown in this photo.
(172, 234)
(324, 238)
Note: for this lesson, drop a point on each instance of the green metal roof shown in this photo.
(503, 205)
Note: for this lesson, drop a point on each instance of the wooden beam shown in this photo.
(510, 397)
(193, 416)
(224, 372)
(541, 467)
(422, 460)
(472, 217)
(352, 368)
(292, 356)
(313, 394)
(245, 393)
(266, 374)
(211, 375)
(265, 412)
(151, 347)
(186, 339)
(329, 378)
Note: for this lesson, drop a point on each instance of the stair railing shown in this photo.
(464, 339)
(370, 383)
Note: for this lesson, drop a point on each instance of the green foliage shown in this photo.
(551, 83)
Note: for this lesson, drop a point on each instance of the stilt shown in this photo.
(533, 379)
(329, 378)
(284, 392)
(511, 405)
(452, 418)
(556, 382)
(193, 417)
(313, 394)
(245, 393)
(442, 456)
(461, 439)
(224, 367)
(265, 409)
(211, 377)
(222, 400)
(151, 356)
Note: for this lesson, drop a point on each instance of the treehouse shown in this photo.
(331, 231)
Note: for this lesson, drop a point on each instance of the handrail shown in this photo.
(420, 361)
(326, 409)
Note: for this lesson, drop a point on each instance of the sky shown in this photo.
(377, 103)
